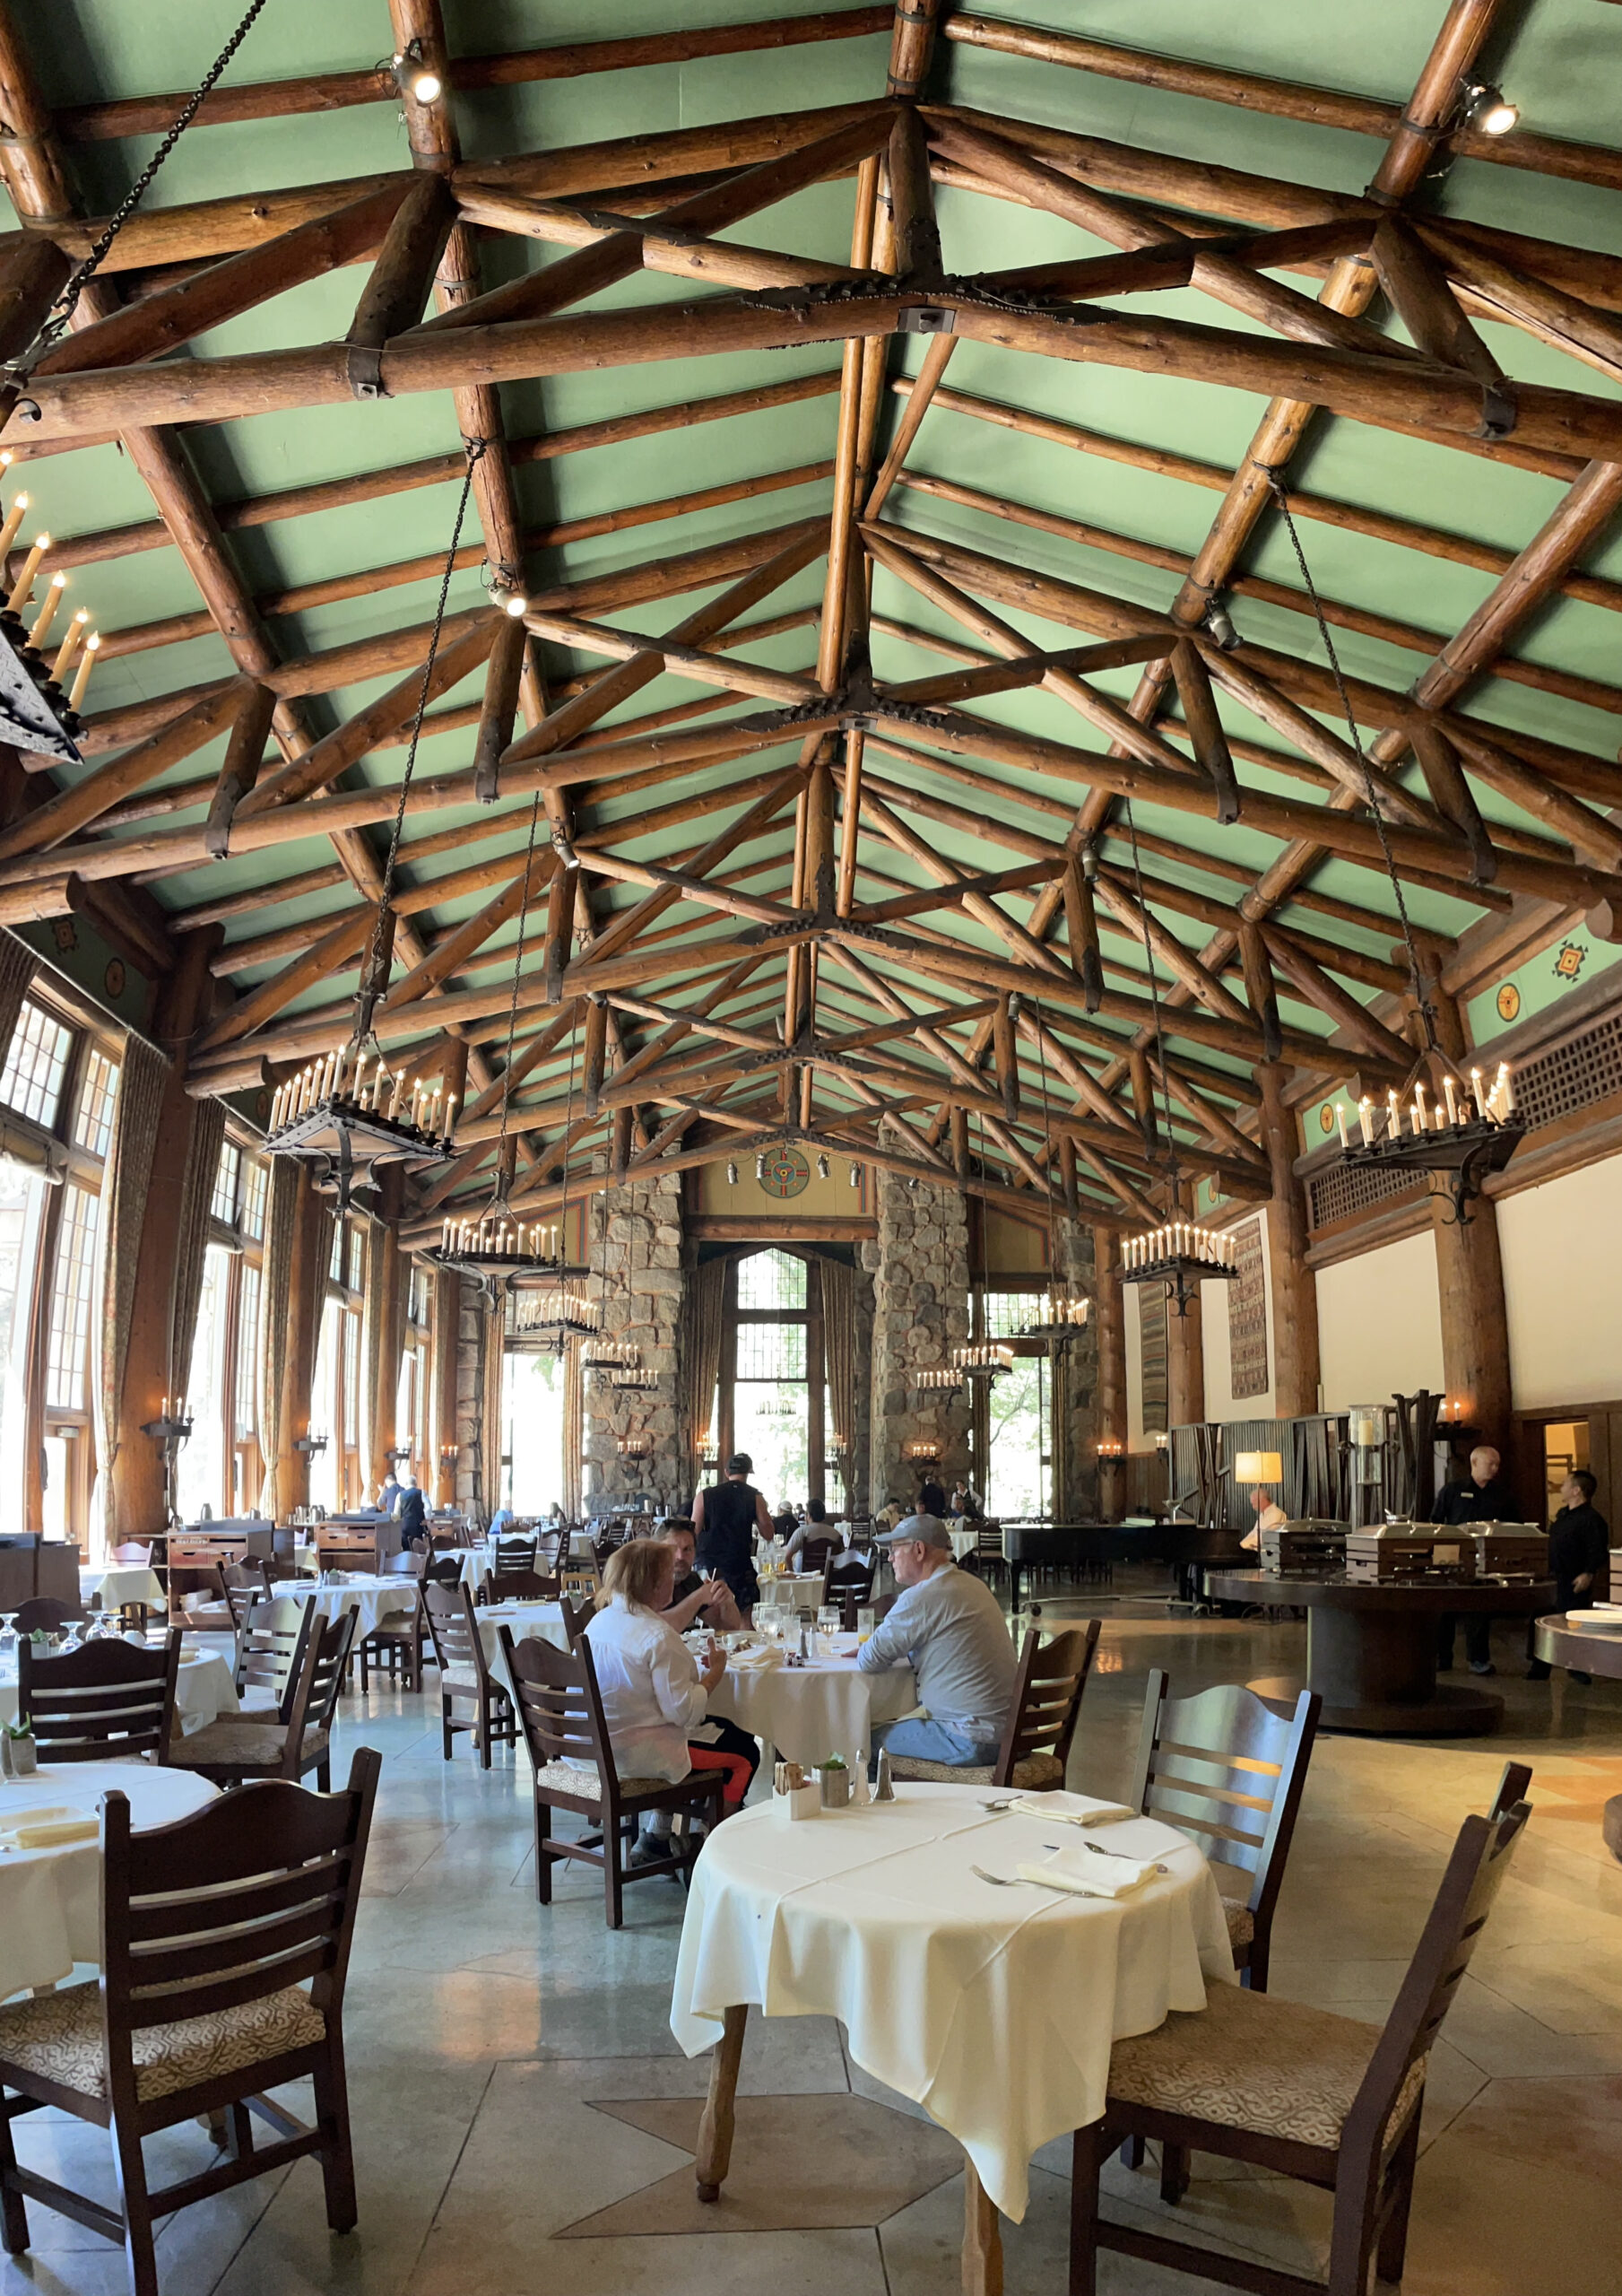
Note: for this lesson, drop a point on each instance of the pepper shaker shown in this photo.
(883, 1788)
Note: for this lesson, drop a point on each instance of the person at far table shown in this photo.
(947, 1624)
(1579, 1553)
(966, 1504)
(931, 1501)
(813, 1525)
(388, 1501)
(726, 1517)
(694, 1600)
(1481, 1496)
(1270, 1515)
(656, 1695)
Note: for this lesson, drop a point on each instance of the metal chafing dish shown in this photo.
(1411, 1555)
(1508, 1550)
(1309, 1549)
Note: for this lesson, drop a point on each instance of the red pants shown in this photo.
(737, 1770)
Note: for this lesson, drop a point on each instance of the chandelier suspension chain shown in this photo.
(61, 312)
(1174, 1169)
(512, 1009)
(1425, 1009)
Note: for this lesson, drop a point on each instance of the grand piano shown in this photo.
(1068, 1546)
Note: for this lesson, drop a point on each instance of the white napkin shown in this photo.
(758, 1661)
(51, 1829)
(1073, 1809)
(1088, 1873)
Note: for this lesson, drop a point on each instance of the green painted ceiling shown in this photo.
(1556, 57)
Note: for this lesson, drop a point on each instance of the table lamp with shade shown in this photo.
(1259, 1468)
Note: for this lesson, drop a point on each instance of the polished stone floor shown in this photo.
(523, 2120)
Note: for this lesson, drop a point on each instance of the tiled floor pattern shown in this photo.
(524, 2122)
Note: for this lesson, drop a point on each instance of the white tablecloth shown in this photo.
(966, 1541)
(478, 1564)
(203, 1691)
(51, 1899)
(121, 1582)
(810, 1712)
(375, 1598)
(993, 2009)
(525, 1622)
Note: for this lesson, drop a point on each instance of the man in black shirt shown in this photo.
(1482, 1496)
(1579, 1551)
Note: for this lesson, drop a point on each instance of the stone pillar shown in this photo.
(1076, 1380)
(1295, 1287)
(919, 1267)
(636, 1235)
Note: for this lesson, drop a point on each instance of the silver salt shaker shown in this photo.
(883, 1786)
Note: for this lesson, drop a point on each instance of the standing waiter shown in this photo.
(726, 1517)
(1481, 1496)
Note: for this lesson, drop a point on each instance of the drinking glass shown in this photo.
(867, 1618)
(8, 1638)
(828, 1618)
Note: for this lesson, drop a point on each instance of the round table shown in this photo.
(525, 1622)
(995, 2009)
(50, 1899)
(117, 1583)
(828, 1706)
(1371, 1649)
(376, 1598)
(1560, 1641)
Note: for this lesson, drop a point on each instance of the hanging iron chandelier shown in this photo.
(1057, 1316)
(1470, 1129)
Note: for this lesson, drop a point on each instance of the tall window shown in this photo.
(1019, 1418)
(413, 1395)
(60, 1081)
(338, 1473)
(533, 1430)
(22, 1194)
(773, 1387)
(221, 1468)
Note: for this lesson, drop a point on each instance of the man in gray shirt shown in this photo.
(947, 1624)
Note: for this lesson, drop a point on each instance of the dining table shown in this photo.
(112, 1585)
(807, 1712)
(375, 1596)
(991, 2002)
(525, 1622)
(50, 1895)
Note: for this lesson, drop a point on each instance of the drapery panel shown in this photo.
(281, 1223)
(840, 1348)
(125, 1183)
(17, 962)
(702, 1319)
(380, 1363)
(191, 1245)
(494, 1320)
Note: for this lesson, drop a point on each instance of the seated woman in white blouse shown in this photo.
(655, 1695)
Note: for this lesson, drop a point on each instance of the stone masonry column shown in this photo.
(919, 1267)
(636, 1258)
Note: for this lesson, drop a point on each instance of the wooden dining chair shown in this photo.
(848, 1574)
(577, 1617)
(225, 1949)
(464, 1675)
(270, 1651)
(516, 1553)
(1296, 2092)
(1225, 1768)
(233, 1749)
(1041, 1719)
(103, 1702)
(393, 1650)
(46, 1614)
(560, 1715)
(517, 1586)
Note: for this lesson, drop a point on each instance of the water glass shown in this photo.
(867, 1618)
(828, 1618)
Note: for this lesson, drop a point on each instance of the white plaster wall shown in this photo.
(1380, 1323)
(1562, 1251)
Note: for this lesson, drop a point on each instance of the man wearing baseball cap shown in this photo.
(946, 1623)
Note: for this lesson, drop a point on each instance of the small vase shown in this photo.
(835, 1789)
(22, 1757)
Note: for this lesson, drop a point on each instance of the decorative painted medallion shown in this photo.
(1509, 1001)
(785, 1173)
(1570, 960)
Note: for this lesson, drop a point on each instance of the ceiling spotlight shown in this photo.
(1488, 110)
(415, 78)
(731, 1175)
(1220, 623)
(822, 1168)
(855, 1174)
(513, 602)
(760, 1167)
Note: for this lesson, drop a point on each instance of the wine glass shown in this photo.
(8, 1639)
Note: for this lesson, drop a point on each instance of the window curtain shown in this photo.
(16, 972)
(380, 1345)
(840, 1348)
(573, 1432)
(489, 1426)
(197, 1193)
(124, 1181)
(701, 1347)
(281, 1223)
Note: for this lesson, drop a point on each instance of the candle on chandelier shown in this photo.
(447, 1123)
(13, 520)
(77, 631)
(48, 611)
(24, 582)
(1393, 1117)
(1477, 1097)
(87, 663)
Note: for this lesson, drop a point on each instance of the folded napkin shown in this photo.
(1089, 1874)
(1073, 1809)
(45, 1832)
(758, 1661)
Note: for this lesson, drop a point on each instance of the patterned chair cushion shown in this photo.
(256, 1745)
(1033, 1773)
(1241, 1922)
(574, 1777)
(57, 2036)
(1252, 2061)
